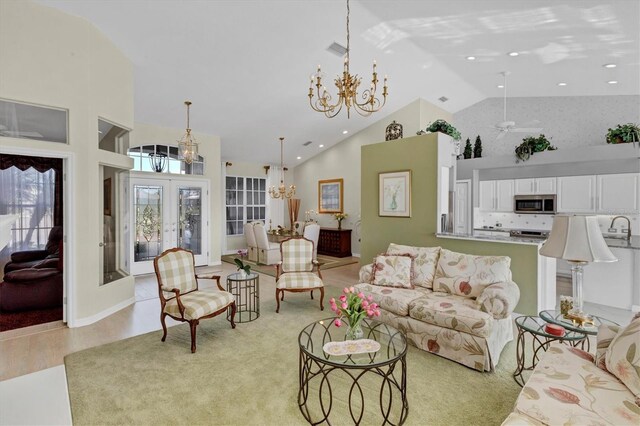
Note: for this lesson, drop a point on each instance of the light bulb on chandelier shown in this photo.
(347, 89)
(282, 191)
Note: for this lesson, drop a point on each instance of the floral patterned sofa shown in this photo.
(570, 387)
(451, 304)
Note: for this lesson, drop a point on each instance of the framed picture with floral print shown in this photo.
(395, 193)
(330, 196)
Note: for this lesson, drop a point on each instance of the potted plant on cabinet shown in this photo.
(531, 145)
(443, 127)
(624, 133)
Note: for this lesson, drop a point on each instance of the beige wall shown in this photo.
(53, 59)
(343, 161)
(209, 148)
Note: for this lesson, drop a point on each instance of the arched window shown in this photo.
(142, 160)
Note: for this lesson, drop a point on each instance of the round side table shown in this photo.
(540, 340)
(246, 291)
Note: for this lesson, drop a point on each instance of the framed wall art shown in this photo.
(395, 194)
(330, 196)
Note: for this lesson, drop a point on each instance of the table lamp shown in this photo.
(578, 240)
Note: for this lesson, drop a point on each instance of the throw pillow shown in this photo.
(392, 271)
(468, 275)
(623, 356)
(424, 262)
(606, 333)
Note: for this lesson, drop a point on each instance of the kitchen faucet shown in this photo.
(628, 225)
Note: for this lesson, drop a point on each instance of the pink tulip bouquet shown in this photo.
(353, 307)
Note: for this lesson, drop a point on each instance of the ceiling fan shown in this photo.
(506, 126)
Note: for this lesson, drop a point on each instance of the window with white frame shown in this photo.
(245, 202)
(142, 160)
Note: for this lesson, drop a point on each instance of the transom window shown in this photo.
(142, 160)
(245, 202)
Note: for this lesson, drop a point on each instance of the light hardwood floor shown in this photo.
(34, 349)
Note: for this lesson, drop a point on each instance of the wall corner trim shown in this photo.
(81, 322)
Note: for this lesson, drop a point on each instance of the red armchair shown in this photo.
(47, 258)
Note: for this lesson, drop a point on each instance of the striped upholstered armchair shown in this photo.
(295, 272)
(180, 297)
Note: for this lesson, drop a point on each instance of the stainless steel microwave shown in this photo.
(535, 204)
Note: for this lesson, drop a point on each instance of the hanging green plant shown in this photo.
(531, 145)
(624, 133)
(443, 127)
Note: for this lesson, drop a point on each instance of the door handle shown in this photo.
(101, 244)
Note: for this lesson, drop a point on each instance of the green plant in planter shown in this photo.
(443, 127)
(531, 145)
(624, 133)
(477, 148)
(468, 151)
(243, 266)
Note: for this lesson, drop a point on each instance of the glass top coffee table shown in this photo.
(555, 317)
(338, 386)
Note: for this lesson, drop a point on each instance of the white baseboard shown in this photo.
(355, 254)
(216, 263)
(81, 322)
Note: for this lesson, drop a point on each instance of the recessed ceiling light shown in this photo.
(562, 84)
(320, 146)
(609, 65)
(471, 58)
(612, 82)
(344, 132)
(513, 53)
(500, 86)
(298, 158)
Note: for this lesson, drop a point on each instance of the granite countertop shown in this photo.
(634, 244)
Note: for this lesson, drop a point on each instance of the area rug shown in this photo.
(326, 262)
(13, 320)
(249, 376)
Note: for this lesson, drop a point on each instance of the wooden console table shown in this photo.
(335, 242)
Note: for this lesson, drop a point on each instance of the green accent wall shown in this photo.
(420, 155)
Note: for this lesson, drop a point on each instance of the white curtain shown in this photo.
(275, 207)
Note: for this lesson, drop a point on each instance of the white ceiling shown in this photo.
(246, 64)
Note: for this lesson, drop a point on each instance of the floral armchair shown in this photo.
(295, 272)
(180, 297)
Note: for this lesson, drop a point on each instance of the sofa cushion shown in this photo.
(392, 271)
(623, 356)
(468, 275)
(566, 388)
(451, 311)
(424, 262)
(394, 300)
(605, 336)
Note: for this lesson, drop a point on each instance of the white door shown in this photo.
(168, 213)
(504, 195)
(546, 186)
(619, 193)
(525, 186)
(462, 216)
(487, 196)
(576, 194)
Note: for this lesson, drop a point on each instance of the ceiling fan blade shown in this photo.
(526, 129)
(530, 123)
(500, 135)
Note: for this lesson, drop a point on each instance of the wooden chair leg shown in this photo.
(233, 314)
(321, 298)
(311, 294)
(278, 300)
(193, 325)
(164, 326)
(281, 294)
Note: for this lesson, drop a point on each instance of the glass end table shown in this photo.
(246, 290)
(331, 383)
(540, 340)
(556, 317)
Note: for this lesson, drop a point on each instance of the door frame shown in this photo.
(169, 179)
(469, 206)
(68, 218)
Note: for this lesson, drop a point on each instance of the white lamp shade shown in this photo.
(578, 239)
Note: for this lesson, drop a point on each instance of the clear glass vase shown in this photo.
(354, 332)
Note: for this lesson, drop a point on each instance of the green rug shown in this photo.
(249, 376)
(326, 262)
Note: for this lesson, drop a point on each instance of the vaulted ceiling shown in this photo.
(245, 65)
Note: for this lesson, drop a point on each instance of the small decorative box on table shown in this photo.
(246, 290)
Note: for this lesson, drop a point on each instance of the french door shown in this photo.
(168, 213)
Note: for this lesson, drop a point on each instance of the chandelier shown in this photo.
(347, 90)
(187, 146)
(158, 161)
(282, 191)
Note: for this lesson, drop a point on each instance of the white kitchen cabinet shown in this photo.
(619, 193)
(535, 186)
(496, 195)
(504, 195)
(576, 194)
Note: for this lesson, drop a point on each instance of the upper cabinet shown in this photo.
(576, 194)
(535, 186)
(619, 193)
(496, 195)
